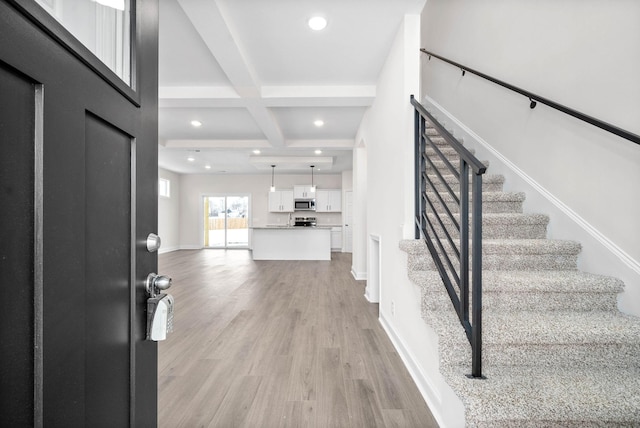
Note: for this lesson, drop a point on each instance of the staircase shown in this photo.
(556, 350)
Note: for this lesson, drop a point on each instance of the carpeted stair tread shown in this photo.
(486, 196)
(500, 218)
(539, 291)
(447, 151)
(499, 225)
(551, 339)
(566, 397)
(530, 246)
(509, 255)
(490, 182)
(531, 282)
(505, 246)
(443, 168)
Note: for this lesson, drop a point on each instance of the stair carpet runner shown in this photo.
(556, 350)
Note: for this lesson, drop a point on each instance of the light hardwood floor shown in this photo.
(278, 344)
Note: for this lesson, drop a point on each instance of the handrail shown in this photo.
(478, 167)
(537, 98)
(459, 266)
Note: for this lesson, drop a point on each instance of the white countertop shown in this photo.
(284, 227)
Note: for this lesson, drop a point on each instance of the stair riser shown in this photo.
(453, 158)
(448, 153)
(487, 206)
(486, 187)
(554, 423)
(443, 168)
(548, 355)
(507, 262)
(500, 231)
(530, 302)
(439, 141)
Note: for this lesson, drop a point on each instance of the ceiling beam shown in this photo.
(318, 96)
(208, 21)
(216, 144)
(272, 96)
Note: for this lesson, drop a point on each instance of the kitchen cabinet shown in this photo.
(281, 201)
(303, 192)
(336, 239)
(328, 201)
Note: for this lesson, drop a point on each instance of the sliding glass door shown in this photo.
(226, 221)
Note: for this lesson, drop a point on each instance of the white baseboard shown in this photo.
(368, 298)
(599, 254)
(358, 276)
(191, 247)
(429, 392)
(168, 250)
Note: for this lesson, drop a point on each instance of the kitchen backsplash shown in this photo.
(282, 218)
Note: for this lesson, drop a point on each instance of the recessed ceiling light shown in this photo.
(317, 23)
(191, 159)
(256, 152)
(318, 152)
(318, 123)
(207, 166)
(196, 123)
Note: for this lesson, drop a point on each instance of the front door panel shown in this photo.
(78, 154)
(17, 238)
(107, 272)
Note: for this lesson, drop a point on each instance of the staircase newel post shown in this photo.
(464, 241)
(476, 271)
(417, 170)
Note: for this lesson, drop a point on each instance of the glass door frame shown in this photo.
(204, 218)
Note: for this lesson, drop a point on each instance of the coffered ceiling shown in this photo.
(257, 77)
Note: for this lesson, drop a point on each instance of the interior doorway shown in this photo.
(226, 221)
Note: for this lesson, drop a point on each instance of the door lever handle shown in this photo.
(155, 283)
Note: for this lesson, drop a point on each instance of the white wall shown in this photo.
(194, 187)
(359, 221)
(169, 213)
(582, 54)
(387, 132)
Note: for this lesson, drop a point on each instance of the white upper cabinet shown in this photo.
(328, 201)
(281, 201)
(303, 192)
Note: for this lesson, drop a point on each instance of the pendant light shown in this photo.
(273, 187)
(313, 187)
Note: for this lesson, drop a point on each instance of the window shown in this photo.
(164, 188)
(103, 26)
(226, 221)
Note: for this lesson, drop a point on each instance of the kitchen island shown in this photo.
(291, 243)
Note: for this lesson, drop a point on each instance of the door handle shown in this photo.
(155, 283)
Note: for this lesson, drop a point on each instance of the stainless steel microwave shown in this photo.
(304, 204)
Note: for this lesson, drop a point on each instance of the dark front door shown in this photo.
(78, 197)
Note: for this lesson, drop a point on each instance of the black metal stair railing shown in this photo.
(458, 260)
